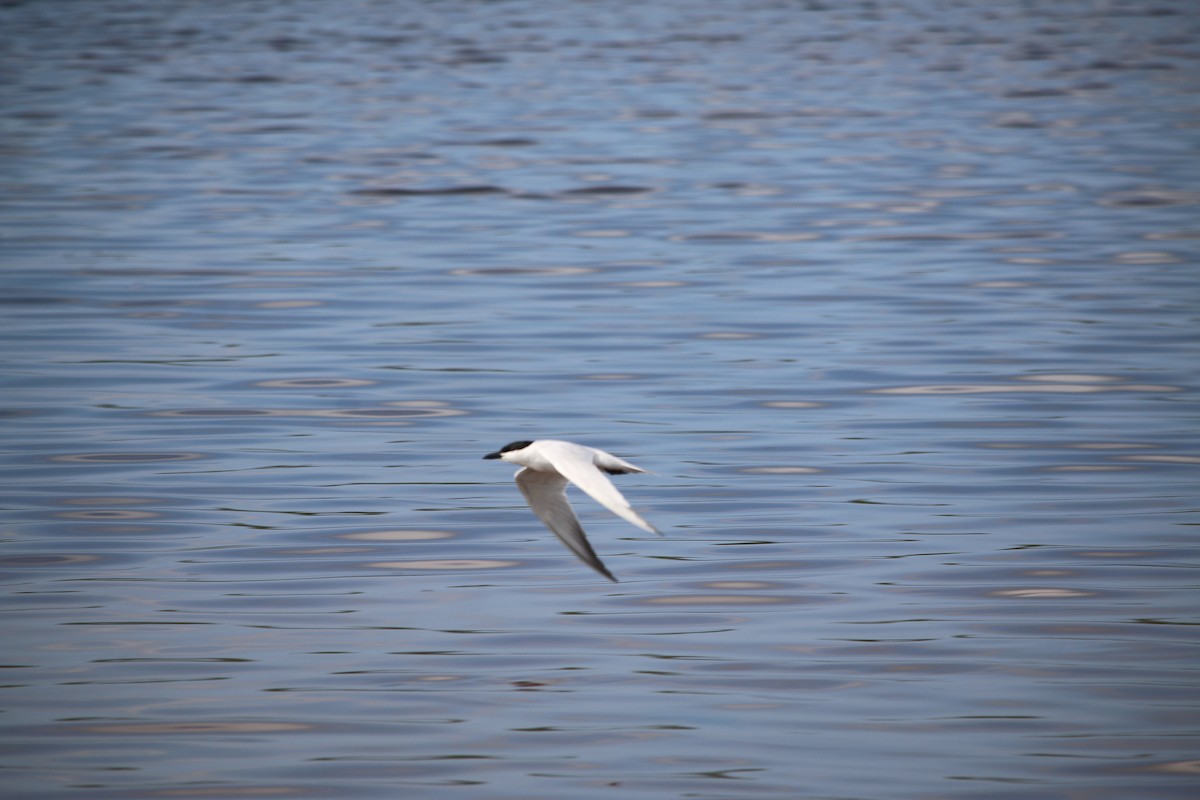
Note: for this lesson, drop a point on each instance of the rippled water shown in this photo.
(896, 299)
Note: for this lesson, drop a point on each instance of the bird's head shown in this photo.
(511, 447)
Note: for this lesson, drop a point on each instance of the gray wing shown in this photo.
(546, 494)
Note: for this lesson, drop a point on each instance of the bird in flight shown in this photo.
(547, 466)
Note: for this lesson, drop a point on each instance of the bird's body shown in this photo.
(548, 465)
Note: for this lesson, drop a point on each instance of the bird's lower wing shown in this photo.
(546, 494)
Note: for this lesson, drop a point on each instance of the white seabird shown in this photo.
(548, 465)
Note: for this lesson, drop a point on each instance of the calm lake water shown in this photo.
(896, 299)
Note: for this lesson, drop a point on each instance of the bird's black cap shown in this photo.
(509, 447)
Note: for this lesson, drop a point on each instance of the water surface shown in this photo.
(896, 300)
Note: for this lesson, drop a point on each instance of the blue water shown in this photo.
(896, 300)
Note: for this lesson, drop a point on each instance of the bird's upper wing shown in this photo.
(577, 464)
(546, 494)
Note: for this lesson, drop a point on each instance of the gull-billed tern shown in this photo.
(547, 466)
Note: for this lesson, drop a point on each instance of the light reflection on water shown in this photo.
(893, 299)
